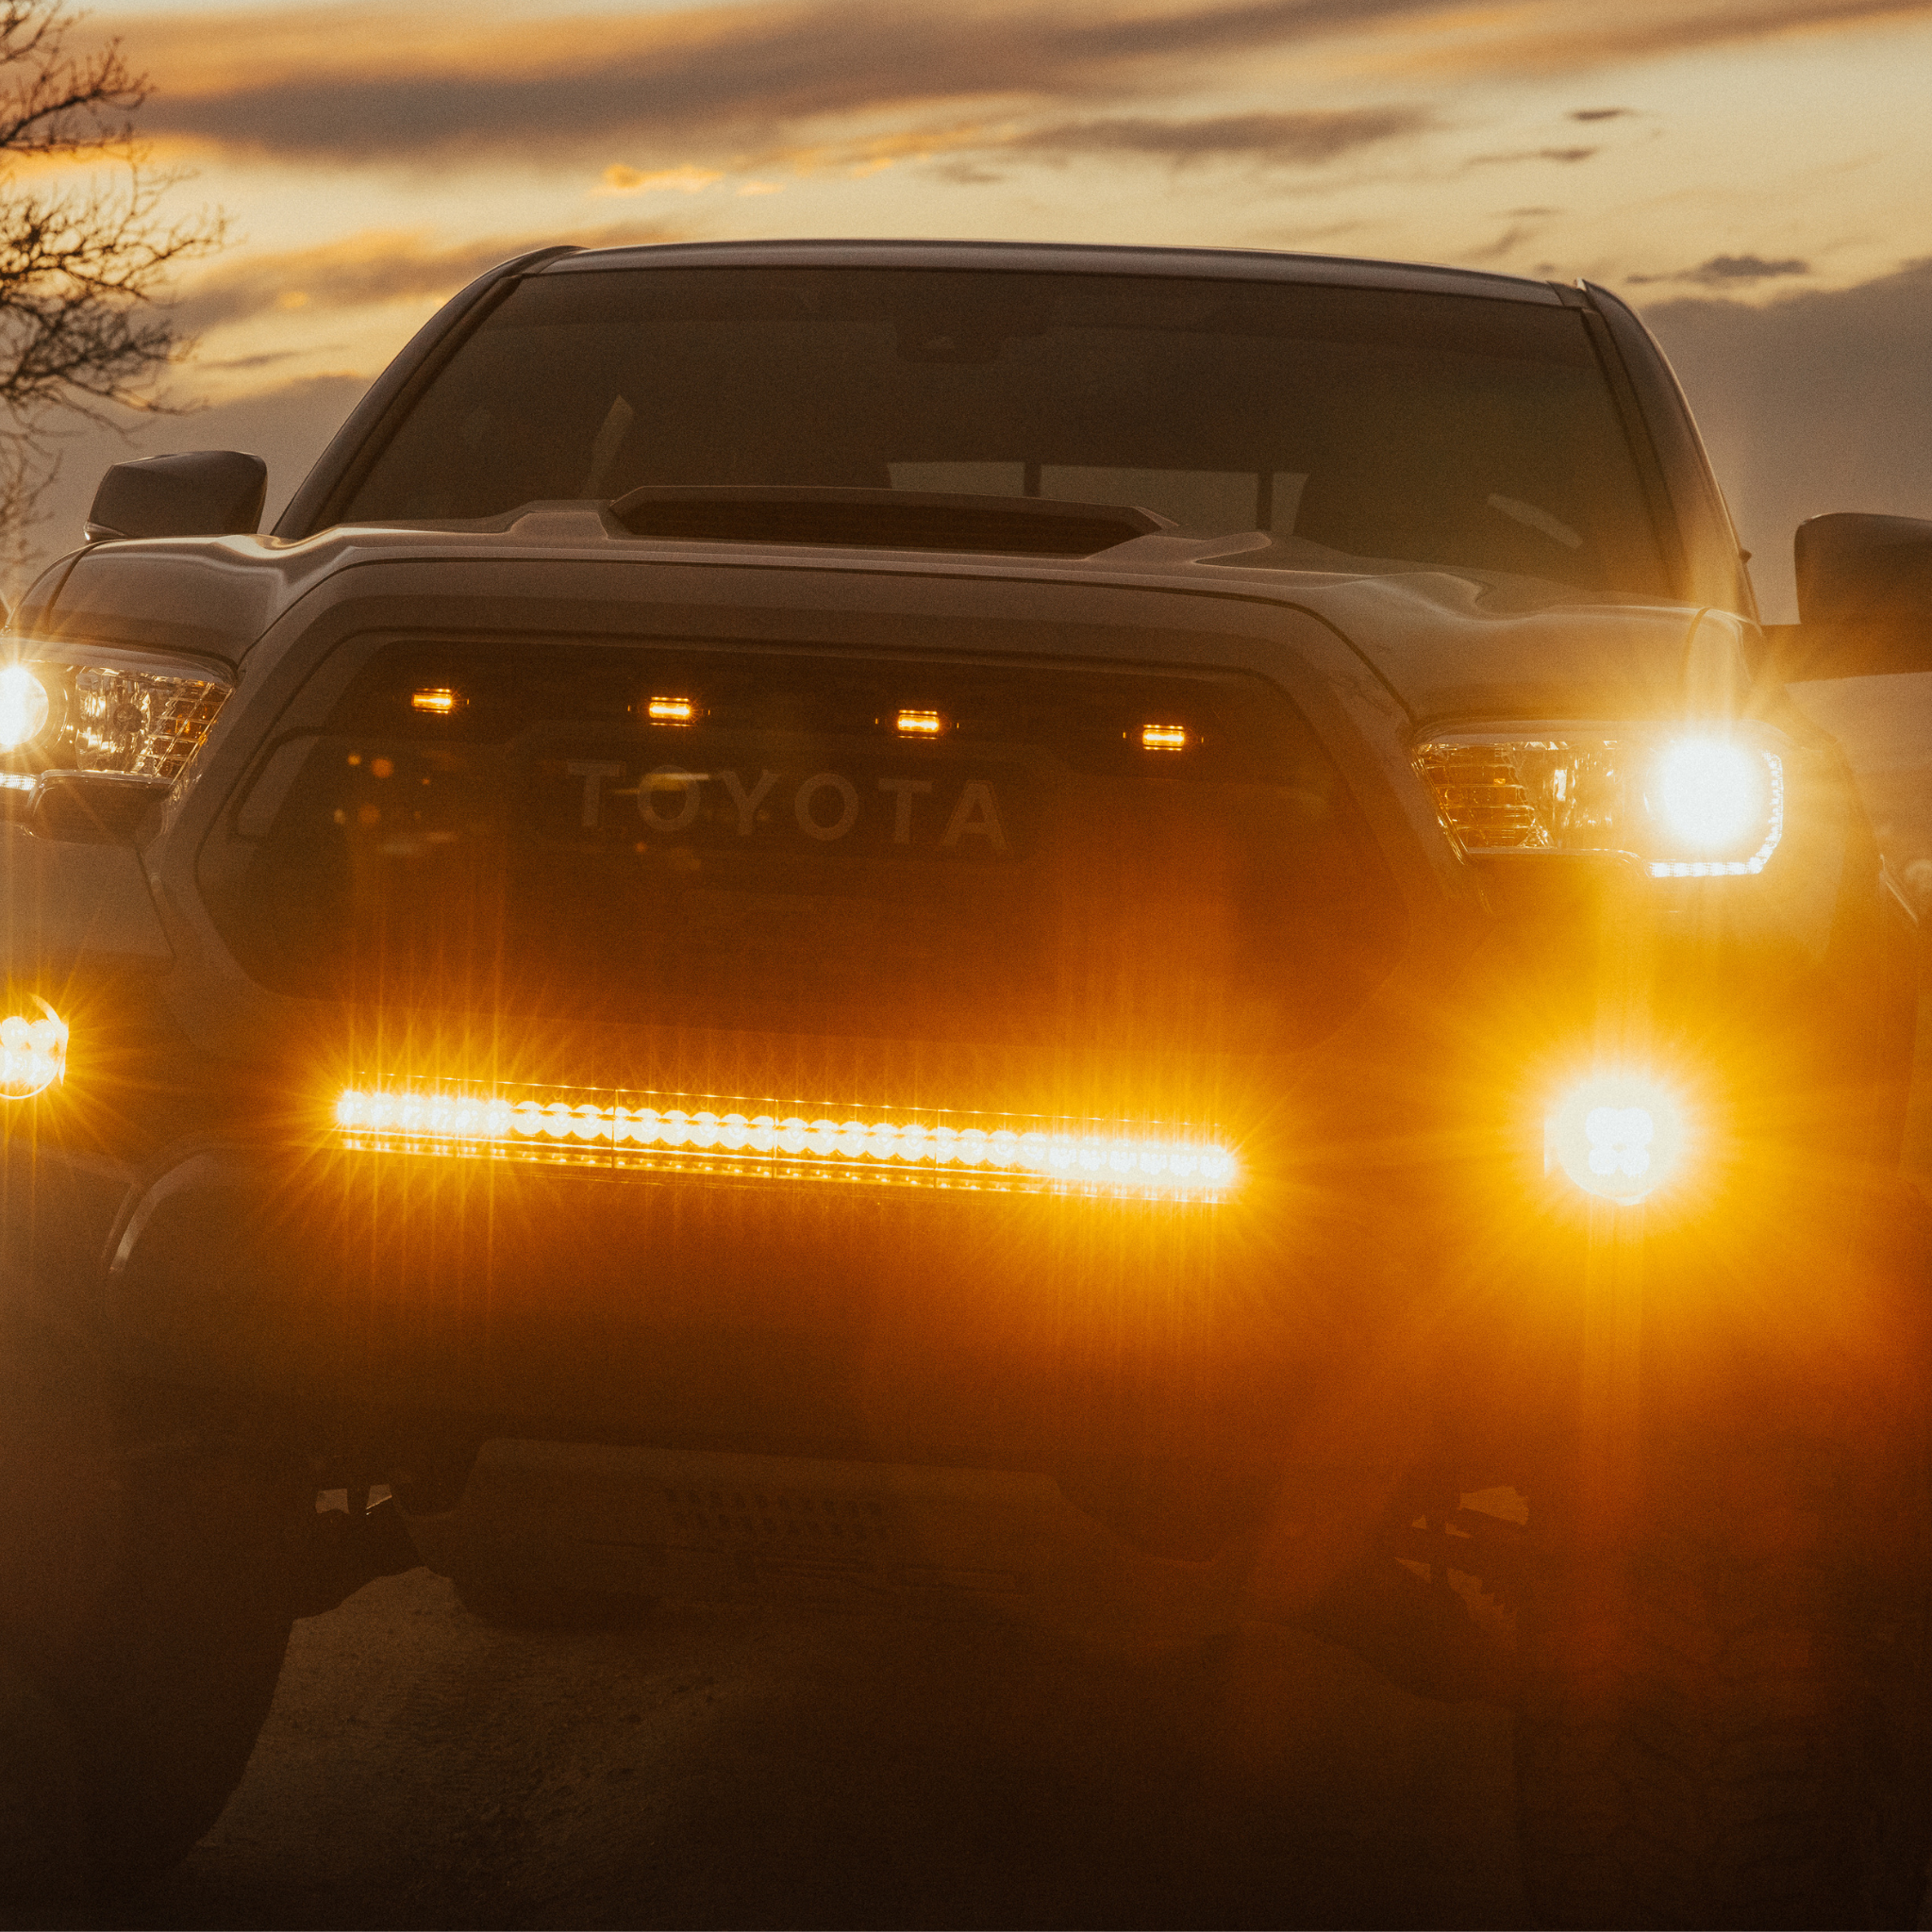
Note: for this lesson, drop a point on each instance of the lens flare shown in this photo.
(33, 1053)
(1710, 793)
(24, 708)
(1619, 1136)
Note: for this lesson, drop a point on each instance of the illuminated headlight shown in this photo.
(72, 708)
(24, 707)
(1706, 803)
(1618, 1136)
(698, 1133)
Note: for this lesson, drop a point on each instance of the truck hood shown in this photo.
(1444, 644)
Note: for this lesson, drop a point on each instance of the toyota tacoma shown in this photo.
(1131, 941)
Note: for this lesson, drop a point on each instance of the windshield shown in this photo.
(1387, 425)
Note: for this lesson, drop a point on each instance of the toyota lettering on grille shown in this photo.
(947, 814)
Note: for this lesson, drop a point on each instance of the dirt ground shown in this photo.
(794, 1768)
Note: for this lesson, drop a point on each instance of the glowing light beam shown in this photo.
(1075, 1157)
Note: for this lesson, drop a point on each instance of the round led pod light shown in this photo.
(33, 1053)
(24, 708)
(1618, 1136)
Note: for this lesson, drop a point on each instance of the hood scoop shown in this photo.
(881, 519)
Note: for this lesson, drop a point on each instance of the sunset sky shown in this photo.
(1757, 175)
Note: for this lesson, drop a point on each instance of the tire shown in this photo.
(196, 1632)
(1730, 1727)
(144, 1611)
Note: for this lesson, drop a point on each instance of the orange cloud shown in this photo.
(1304, 138)
(686, 179)
(361, 85)
(1576, 35)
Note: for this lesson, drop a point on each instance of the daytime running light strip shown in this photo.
(790, 1147)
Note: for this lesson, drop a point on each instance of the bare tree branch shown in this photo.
(87, 252)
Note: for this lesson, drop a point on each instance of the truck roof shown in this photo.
(1064, 258)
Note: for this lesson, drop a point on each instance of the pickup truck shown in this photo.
(1136, 941)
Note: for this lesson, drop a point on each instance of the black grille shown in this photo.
(790, 862)
(881, 520)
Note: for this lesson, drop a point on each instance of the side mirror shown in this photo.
(208, 493)
(1864, 598)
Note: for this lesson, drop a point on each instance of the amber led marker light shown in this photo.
(437, 701)
(1163, 738)
(919, 724)
(672, 710)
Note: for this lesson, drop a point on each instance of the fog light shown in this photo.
(33, 1053)
(1618, 1136)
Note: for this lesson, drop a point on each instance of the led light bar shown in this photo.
(1163, 738)
(919, 724)
(672, 710)
(437, 701)
(701, 1132)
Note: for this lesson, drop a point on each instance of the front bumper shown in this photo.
(1397, 1168)
(711, 1310)
(1143, 1394)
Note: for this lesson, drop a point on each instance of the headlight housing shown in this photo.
(1705, 801)
(75, 708)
